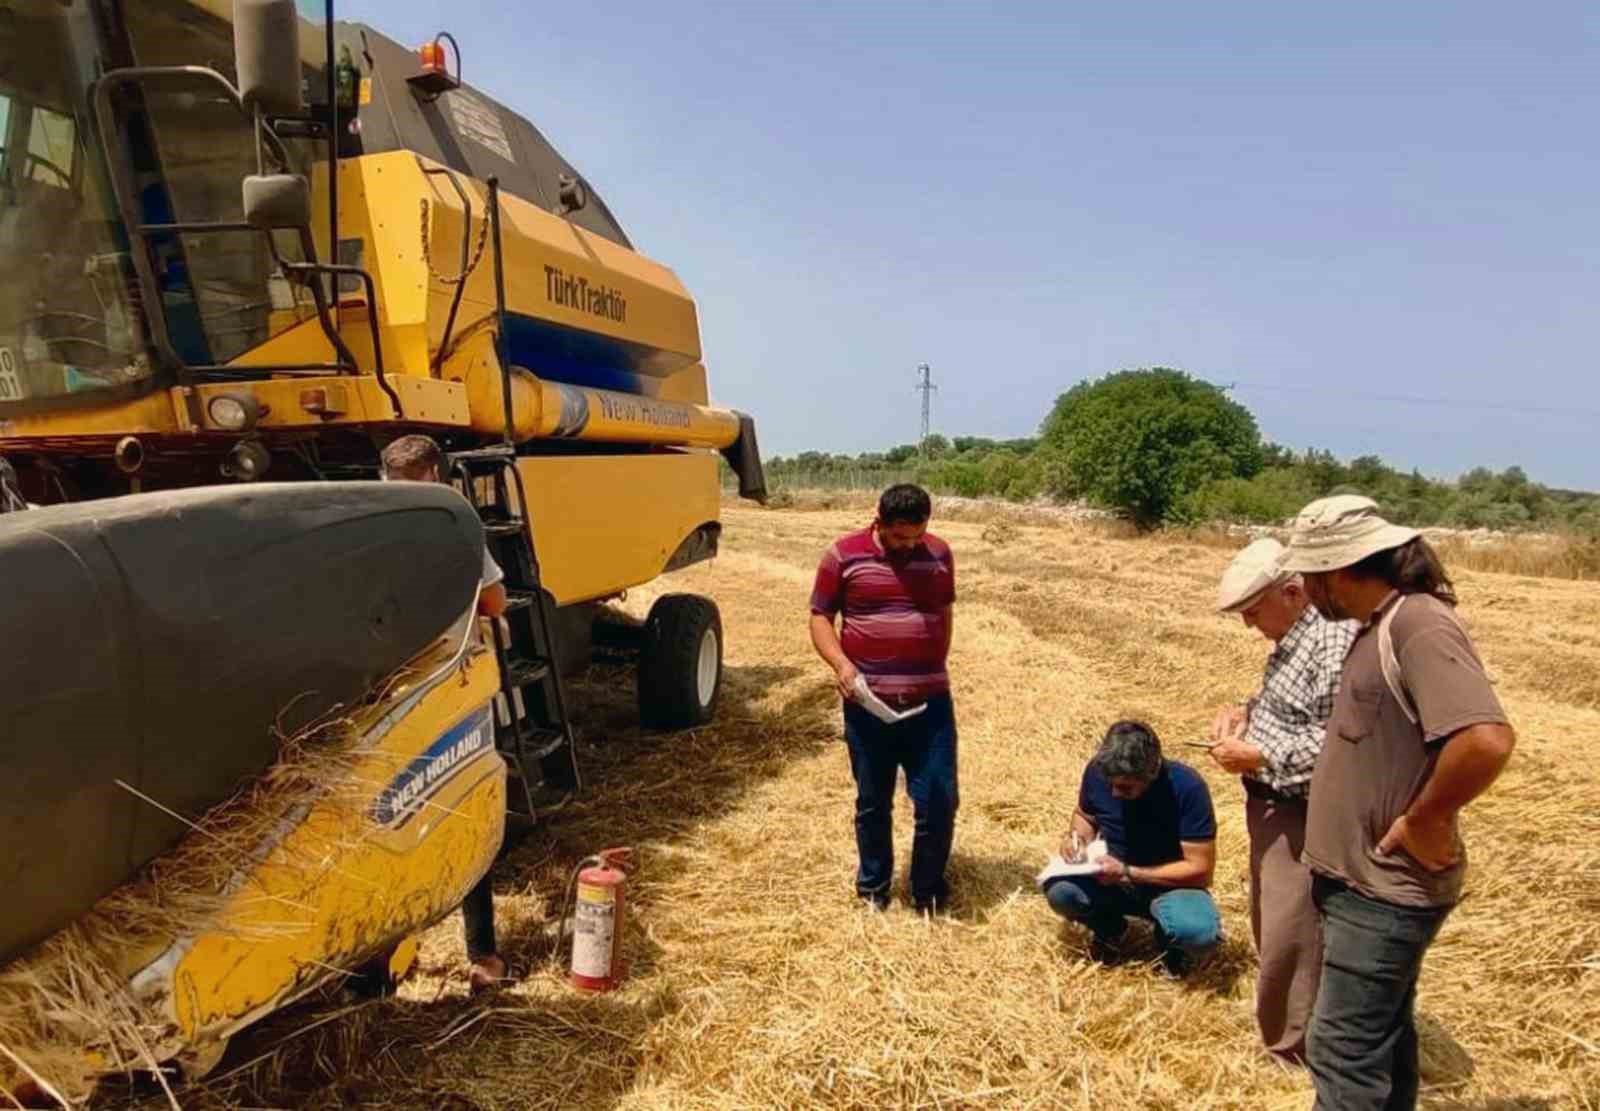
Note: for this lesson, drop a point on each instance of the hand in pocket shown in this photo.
(1431, 844)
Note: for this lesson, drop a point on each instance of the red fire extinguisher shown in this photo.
(596, 896)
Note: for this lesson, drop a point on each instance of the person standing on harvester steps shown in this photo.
(419, 459)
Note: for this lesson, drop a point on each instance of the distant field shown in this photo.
(758, 983)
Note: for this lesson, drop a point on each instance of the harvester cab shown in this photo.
(240, 240)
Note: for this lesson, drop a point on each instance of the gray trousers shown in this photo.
(1284, 923)
(1362, 1050)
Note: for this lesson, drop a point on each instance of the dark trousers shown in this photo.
(477, 920)
(1362, 1045)
(925, 746)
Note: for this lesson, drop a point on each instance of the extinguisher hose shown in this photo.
(567, 897)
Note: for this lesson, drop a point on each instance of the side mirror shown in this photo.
(274, 201)
(266, 50)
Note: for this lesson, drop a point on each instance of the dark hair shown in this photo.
(410, 454)
(1412, 568)
(1130, 748)
(904, 504)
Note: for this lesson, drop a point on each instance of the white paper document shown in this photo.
(880, 709)
(1060, 866)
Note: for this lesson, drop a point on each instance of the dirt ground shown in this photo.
(757, 981)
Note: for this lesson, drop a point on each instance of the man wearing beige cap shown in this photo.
(1416, 733)
(1272, 743)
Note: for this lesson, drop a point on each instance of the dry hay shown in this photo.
(756, 980)
(1560, 555)
(68, 1004)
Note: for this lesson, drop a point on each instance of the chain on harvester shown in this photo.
(427, 249)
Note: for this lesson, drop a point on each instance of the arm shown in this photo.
(947, 613)
(1197, 842)
(1194, 870)
(1287, 750)
(1460, 713)
(491, 588)
(492, 600)
(826, 641)
(1469, 762)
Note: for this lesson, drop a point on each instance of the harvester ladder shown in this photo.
(533, 730)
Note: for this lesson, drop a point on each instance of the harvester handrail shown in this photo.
(468, 265)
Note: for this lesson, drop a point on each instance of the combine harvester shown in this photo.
(226, 285)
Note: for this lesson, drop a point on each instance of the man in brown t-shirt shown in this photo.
(1416, 733)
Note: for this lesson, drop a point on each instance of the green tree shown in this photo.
(1000, 469)
(1326, 472)
(1367, 473)
(1270, 498)
(1142, 440)
(1276, 455)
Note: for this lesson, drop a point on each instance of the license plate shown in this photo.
(10, 384)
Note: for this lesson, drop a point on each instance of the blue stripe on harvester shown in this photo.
(577, 358)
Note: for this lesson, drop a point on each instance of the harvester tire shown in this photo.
(680, 663)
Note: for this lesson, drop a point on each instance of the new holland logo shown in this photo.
(422, 778)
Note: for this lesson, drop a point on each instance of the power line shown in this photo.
(1403, 399)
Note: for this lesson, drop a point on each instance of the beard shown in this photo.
(1323, 601)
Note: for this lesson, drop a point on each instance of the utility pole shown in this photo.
(926, 387)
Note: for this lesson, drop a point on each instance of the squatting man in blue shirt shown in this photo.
(1160, 831)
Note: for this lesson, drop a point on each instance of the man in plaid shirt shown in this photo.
(1273, 742)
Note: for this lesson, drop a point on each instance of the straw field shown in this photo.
(756, 980)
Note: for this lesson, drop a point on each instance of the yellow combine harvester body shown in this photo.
(353, 876)
(157, 335)
(640, 384)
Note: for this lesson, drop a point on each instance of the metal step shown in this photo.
(488, 456)
(524, 672)
(492, 482)
(539, 744)
(550, 741)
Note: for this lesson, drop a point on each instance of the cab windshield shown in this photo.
(72, 308)
(68, 322)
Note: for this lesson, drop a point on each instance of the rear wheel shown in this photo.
(680, 662)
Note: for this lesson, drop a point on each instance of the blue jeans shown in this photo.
(1186, 918)
(1362, 1044)
(925, 746)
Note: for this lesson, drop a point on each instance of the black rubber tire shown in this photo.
(669, 662)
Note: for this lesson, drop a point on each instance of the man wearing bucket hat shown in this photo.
(1272, 743)
(1416, 733)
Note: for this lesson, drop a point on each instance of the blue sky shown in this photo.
(1331, 205)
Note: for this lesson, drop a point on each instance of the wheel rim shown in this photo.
(706, 672)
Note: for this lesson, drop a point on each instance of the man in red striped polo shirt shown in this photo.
(893, 585)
